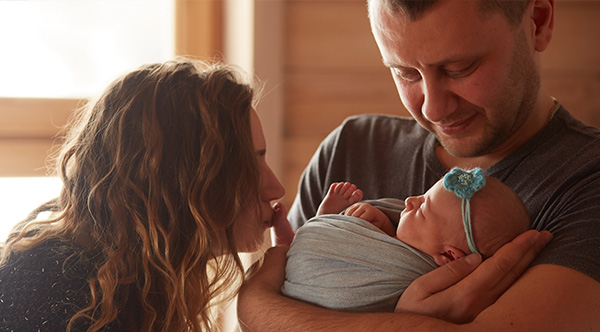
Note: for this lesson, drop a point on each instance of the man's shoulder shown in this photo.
(378, 127)
(575, 127)
(572, 138)
(379, 119)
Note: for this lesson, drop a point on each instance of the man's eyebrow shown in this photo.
(449, 60)
(390, 65)
(396, 66)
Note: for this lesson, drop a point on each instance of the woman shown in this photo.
(165, 181)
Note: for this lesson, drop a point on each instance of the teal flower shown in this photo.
(464, 183)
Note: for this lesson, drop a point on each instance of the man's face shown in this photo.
(469, 79)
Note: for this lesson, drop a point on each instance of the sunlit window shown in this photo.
(73, 48)
(19, 196)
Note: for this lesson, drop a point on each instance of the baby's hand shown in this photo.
(373, 215)
(362, 210)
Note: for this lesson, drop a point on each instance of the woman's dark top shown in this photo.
(43, 287)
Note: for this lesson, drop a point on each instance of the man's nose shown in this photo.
(438, 100)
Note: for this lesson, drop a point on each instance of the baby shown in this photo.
(361, 261)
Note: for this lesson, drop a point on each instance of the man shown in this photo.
(468, 72)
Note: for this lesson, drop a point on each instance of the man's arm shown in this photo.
(261, 307)
(545, 298)
(539, 300)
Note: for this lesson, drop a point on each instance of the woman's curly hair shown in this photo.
(156, 172)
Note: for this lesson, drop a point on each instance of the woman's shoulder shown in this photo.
(44, 283)
(51, 259)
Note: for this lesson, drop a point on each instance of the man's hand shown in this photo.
(458, 291)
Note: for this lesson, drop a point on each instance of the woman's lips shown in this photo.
(268, 223)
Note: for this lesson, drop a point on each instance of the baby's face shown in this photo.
(429, 221)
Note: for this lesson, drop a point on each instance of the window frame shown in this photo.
(30, 128)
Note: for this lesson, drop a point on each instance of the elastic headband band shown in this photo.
(464, 184)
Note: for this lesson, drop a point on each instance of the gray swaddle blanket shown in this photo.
(346, 263)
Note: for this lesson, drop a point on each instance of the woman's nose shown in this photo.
(271, 187)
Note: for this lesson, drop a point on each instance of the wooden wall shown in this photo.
(571, 65)
(333, 70)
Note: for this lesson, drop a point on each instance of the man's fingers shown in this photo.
(425, 294)
(450, 273)
(512, 259)
(476, 285)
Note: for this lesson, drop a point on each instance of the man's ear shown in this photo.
(543, 20)
(450, 254)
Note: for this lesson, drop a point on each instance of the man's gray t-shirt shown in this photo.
(556, 173)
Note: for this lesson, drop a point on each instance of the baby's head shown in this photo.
(433, 222)
(498, 215)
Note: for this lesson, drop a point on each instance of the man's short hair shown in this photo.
(512, 10)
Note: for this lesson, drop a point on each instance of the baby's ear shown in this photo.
(450, 253)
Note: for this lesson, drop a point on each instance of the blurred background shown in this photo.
(317, 58)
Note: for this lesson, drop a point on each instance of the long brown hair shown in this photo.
(156, 172)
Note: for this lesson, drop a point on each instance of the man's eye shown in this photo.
(409, 75)
(461, 72)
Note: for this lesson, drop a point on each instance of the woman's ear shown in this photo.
(543, 20)
(450, 254)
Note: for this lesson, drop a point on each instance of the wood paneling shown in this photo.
(575, 46)
(198, 28)
(298, 154)
(317, 102)
(329, 35)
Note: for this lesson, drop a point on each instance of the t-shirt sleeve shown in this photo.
(573, 218)
(312, 187)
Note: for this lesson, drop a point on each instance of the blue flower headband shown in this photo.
(464, 184)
